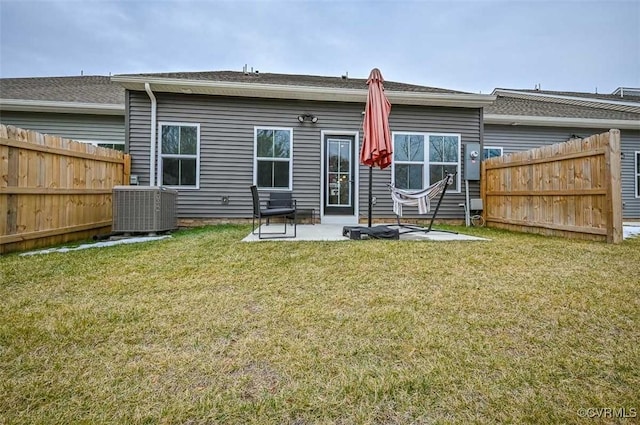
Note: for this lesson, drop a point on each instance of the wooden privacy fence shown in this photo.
(568, 189)
(54, 190)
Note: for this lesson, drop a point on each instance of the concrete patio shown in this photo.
(333, 232)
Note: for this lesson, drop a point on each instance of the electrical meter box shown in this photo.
(471, 163)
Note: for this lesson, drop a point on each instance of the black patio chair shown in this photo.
(287, 213)
(279, 200)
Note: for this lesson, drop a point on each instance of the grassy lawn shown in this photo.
(203, 328)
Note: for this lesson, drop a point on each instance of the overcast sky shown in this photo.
(463, 45)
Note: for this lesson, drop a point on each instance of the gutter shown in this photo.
(282, 91)
(540, 121)
(152, 154)
(25, 105)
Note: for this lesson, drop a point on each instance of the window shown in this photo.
(179, 162)
(637, 155)
(491, 152)
(273, 158)
(119, 146)
(408, 154)
(421, 159)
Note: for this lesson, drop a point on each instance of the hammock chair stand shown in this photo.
(442, 187)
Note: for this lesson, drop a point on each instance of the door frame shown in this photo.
(341, 219)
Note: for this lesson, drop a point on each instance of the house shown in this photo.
(84, 108)
(524, 119)
(213, 134)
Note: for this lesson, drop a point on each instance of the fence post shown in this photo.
(483, 188)
(613, 187)
(126, 172)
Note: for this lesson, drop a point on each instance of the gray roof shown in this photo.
(84, 89)
(291, 80)
(627, 97)
(546, 108)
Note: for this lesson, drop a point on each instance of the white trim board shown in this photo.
(541, 121)
(61, 107)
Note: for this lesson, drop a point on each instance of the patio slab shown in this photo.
(333, 232)
(630, 230)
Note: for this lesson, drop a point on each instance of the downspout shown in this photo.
(152, 154)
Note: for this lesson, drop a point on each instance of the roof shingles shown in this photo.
(613, 97)
(83, 89)
(291, 80)
(527, 107)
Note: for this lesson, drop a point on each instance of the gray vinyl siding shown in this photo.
(84, 127)
(227, 143)
(521, 138)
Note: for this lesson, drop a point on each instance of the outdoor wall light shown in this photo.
(309, 117)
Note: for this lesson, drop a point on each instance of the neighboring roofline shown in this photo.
(541, 121)
(27, 105)
(620, 90)
(282, 91)
(565, 97)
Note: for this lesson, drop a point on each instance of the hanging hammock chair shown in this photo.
(422, 199)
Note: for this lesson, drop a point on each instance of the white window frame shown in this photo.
(427, 161)
(492, 147)
(180, 156)
(394, 162)
(256, 159)
(636, 172)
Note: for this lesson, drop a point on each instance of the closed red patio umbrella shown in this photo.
(376, 144)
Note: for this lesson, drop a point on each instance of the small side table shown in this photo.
(307, 212)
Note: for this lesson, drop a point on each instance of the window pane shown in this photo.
(438, 172)
(178, 172)
(265, 173)
(333, 156)
(170, 138)
(415, 177)
(450, 149)
(638, 163)
(416, 151)
(408, 176)
(443, 149)
(401, 148)
(187, 172)
(401, 178)
(273, 174)
(345, 153)
(409, 148)
(281, 174)
(436, 148)
(281, 144)
(491, 153)
(638, 186)
(188, 140)
(265, 143)
(170, 171)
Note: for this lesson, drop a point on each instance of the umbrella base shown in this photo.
(376, 232)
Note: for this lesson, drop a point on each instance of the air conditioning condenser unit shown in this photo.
(144, 209)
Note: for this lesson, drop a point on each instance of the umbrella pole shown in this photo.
(370, 193)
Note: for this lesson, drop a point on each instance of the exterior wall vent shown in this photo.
(143, 209)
